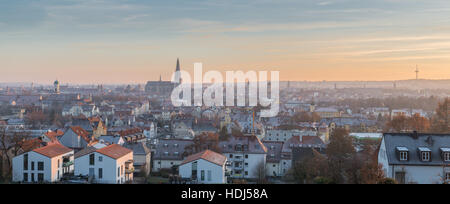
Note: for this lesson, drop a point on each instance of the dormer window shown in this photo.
(403, 156)
(402, 153)
(447, 156)
(425, 154)
(445, 152)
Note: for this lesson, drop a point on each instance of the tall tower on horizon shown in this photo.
(57, 87)
(177, 76)
(417, 73)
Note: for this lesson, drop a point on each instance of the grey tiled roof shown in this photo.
(413, 142)
(175, 149)
(255, 146)
(138, 148)
(273, 151)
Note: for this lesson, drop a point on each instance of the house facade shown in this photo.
(76, 138)
(416, 158)
(245, 155)
(169, 153)
(110, 165)
(43, 165)
(206, 167)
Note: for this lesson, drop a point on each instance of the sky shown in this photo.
(133, 41)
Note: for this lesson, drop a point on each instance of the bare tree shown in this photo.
(10, 146)
(260, 173)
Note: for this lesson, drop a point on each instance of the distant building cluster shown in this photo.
(130, 133)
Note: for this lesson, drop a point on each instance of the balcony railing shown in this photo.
(67, 164)
(129, 170)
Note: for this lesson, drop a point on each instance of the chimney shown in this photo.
(415, 134)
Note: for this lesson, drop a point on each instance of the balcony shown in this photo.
(129, 170)
(67, 164)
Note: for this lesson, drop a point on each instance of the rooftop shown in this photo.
(207, 155)
(114, 151)
(53, 150)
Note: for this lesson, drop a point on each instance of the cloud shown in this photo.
(324, 3)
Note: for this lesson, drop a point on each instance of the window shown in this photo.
(425, 156)
(400, 177)
(100, 158)
(100, 173)
(59, 166)
(246, 173)
(447, 156)
(209, 175)
(403, 156)
(25, 177)
(231, 155)
(246, 156)
(92, 159)
(40, 177)
(32, 177)
(194, 170)
(447, 176)
(25, 162)
(118, 171)
(202, 175)
(32, 165)
(121, 170)
(40, 166)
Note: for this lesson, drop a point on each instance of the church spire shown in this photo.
(178, 65)
(177, 78)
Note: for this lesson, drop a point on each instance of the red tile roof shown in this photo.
(130, 131)
(207, 155)
(53, 136)
(114, 151)
(52, 150)
(31, 144)
(81, 132)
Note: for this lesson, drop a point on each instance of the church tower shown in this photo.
(57, 87)
(177, 78)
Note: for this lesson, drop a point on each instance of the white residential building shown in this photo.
(169, 153)
(285, 135)
(206, 167)
(245, 154)
(416, 158)
(77, 110)
(46, 164)
(112, 164)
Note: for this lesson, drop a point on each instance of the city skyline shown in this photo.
(112, 42)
